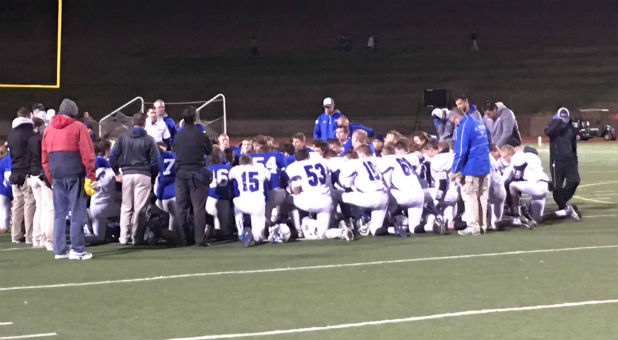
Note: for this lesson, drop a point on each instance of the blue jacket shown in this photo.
(471, 148)
(325, 126)
(5, 171)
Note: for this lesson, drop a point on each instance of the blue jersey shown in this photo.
(274, 162)
(325, 125)
(220, 187)
(166, 181)
(5, 172)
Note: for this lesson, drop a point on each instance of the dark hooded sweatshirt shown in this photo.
(135, 152)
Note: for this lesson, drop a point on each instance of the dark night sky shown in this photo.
(96, 33)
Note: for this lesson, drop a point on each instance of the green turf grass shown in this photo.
(256, 302)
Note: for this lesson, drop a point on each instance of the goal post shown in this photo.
(58, 54)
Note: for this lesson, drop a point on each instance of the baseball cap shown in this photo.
(328, 101)
(38, 106)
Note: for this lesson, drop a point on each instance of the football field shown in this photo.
(558, 281)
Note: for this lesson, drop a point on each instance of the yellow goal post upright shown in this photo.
(58, 54)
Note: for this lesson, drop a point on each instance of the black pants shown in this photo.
(565, 177)
(190, 196)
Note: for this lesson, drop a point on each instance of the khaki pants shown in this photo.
(43, 222)
(22, 212)
(474, 194)
(135, 193)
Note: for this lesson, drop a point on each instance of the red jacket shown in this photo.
(66, 149)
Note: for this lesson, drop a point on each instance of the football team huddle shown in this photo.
(351, 182)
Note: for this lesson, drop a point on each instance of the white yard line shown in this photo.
(598, 183)
(595, 216)
(401, 320)
(24, 248)
(288, 269)
(6, 323)
(592, 200)
(28, 336)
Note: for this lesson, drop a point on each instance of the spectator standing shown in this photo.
(24, 205)
(191, 146)
(135, 160)
(326, 123)
(156, 127)
(563, 162)
(464, 105)
(67, 156)
(43, 226)
(471, 160)
(501, 124)
(159, 107)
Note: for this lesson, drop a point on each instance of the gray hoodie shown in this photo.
(503, 128)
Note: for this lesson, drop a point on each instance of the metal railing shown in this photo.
(111, 114)
(218, 97)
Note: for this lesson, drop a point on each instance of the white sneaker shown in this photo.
(347, 234)
(73, 255)
(469, 231)
(61, 256)
(572, 213)
(49, 246)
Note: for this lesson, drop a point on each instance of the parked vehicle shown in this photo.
(586, 130)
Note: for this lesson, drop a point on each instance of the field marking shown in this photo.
(28, 336)
(8, 249)
(287, 269)
(592, 200)
(401, 320)
(593, 216)
(598, 183)
(6, 323)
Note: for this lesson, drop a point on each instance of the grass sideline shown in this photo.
(562, 262)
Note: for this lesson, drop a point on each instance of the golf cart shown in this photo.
(581, 122)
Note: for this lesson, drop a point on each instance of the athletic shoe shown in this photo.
(49, 246)
(61, 256)
(572, 213)
(348, 234)
(528, 223)
(439, 227)
(469, 231)
(529, 217)
(73, 255)
(247, 239)
(576, 209)
(17, 241)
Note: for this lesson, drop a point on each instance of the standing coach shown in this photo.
(471, 160)
(191, 145)
(563, 162)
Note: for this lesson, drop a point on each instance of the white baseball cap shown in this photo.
(328, 101)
